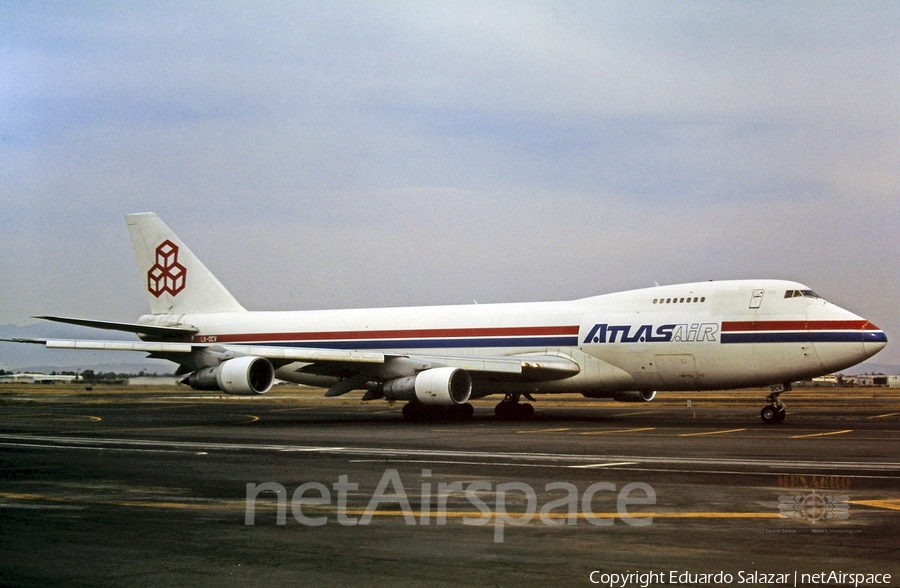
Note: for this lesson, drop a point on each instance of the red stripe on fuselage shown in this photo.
(728, 326)
(400, 334)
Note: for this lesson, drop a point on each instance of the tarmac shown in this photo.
(144, 486)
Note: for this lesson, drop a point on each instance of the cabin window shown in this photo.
(689, 299)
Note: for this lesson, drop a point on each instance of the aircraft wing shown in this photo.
(272, 353)
(545, 367)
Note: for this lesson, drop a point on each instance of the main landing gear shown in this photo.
(774, 413)
(511, 410)
(416, 412)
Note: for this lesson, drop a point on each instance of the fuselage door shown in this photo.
(756, 299)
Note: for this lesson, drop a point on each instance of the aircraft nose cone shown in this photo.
(874, 340)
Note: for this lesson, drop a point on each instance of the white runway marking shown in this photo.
(605, 465)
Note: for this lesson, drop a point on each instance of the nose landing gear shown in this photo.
(774, 413)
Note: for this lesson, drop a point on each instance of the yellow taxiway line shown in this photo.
(617, 431)
(822, 434)
(888, 504)
(711, 433)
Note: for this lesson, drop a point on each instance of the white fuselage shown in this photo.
(704, 335)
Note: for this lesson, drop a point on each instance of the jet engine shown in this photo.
(635, 396)
(624, 395)
(245, 376)
(446, 386)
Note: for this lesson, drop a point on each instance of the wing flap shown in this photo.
(120, 346)
(543, 366)
(310, 355)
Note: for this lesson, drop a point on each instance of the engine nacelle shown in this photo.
(446, 386)
(635, 396)
(245, 376)
(624, 395)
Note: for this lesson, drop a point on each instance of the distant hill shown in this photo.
(152, 367)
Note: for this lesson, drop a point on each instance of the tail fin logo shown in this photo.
(166, 275)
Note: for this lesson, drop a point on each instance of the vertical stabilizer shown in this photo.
(176, 281)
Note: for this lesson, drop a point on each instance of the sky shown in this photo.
(334, 155)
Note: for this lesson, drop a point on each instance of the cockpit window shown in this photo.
(801, 294)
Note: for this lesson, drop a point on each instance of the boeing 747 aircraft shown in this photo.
(624, 346)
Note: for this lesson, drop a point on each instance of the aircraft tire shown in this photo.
(772, 415)
(460, 412)
(780, 414)
(413, 412)
(465, 412)
(514, 411)
(504, 411)
(416, 412)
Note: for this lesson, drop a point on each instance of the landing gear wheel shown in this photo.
(772, 415)
(504, 410)
(416, 412)
(513, 411)
(413, 412)
(461, 412)
(779, 416)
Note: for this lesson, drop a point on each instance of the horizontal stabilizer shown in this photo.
(149, 330)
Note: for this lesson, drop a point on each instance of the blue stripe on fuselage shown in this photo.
(806, 337)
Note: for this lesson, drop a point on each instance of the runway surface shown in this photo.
(147, 486)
